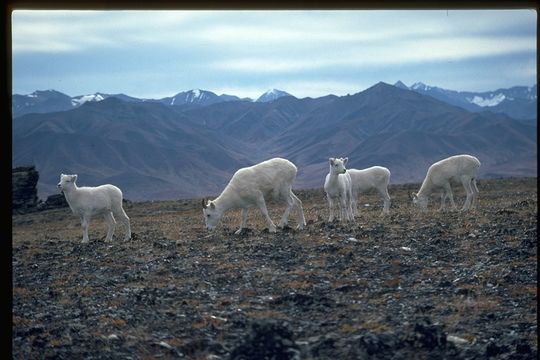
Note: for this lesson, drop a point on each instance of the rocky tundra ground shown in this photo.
(434, 285)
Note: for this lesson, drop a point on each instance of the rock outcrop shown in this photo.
(55, 201)
(24, 191)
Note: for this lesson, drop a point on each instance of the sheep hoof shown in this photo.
(272, 229)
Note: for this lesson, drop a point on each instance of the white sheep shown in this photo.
(463, 168)
(250, 186)
(337, 186)
(375, 177)
(103, 200)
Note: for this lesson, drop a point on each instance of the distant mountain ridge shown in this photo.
(52, 100)
(156, 151)
(519, 102)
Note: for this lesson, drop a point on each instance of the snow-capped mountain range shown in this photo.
(196, 97)
(44, 101)
(519, 102)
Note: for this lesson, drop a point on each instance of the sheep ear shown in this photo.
(331, 160)
(204, 206)
(212, 206)
(73, 178)
(345, 160)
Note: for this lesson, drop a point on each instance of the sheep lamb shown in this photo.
(375, 177)
(461, 168)
(337, 186)
(103, 200)
(250, 186)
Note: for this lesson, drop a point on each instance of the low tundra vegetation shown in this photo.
(439, 284)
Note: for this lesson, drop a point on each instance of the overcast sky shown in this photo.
(154, 54)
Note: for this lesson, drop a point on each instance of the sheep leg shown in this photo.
(474, 188)
(121, 214)
(451, 197)
(348, 200)
(386, 200)
(443, 200)
(262, 206)
(85, 222)
(354, 204)
(111, 224)
(331, 208)
(343, 208)
(244, 220)
(448, 194)
(300, 211)
(467, 185)
(285, 218)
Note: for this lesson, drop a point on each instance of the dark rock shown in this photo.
(24, 191)
(267, 339)
(377, 343)
(426, 335)
(493, 349)
(56, 201)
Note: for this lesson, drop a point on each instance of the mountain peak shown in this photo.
(401, 85)
(194, 96)
(419, 86)
(272, 95)
(81, 99)
(381, 86)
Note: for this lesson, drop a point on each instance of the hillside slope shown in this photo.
(153, 151)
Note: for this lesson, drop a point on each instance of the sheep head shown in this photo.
(211, 214)
(337, 166)
(66, 181)
(420, 201)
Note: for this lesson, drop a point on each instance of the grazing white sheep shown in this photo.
(375, 177)
(463, 168)
(250, 186)
(103, 200)
(337, 186)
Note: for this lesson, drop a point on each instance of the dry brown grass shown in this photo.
(193, 284)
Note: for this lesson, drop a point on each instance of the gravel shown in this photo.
(435, 285)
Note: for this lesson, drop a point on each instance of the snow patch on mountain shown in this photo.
(78, 101)
(492, 100)
(272, 95)
(420, 86)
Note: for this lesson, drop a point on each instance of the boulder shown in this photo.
(55, 201)
(24, 191)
